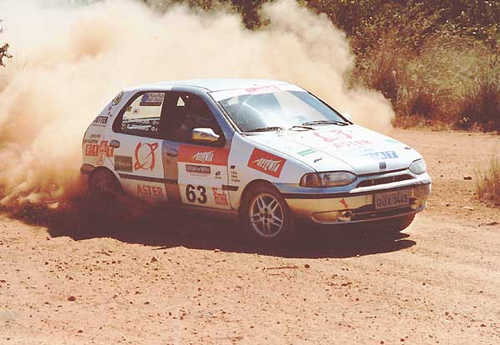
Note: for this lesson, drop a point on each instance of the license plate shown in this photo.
(392, 199)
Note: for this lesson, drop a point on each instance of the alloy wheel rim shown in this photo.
(266, 215)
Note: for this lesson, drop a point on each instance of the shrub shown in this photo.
(481, 105)
(488, 182)
(436, 61)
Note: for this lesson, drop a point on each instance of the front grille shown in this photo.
(384, 180)
(359, 216)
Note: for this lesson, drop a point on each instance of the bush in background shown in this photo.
(488, 182)
(436, 61)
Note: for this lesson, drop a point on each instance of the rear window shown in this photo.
(142, 116)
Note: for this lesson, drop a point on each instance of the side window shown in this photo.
(142, 116)
(185, 113)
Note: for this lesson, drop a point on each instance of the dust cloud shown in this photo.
(70, 60)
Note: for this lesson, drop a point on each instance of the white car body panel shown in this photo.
(250, 162)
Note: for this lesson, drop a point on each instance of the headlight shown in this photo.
(418, 167)
(327, 179)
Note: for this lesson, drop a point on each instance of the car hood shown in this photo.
(329, 148)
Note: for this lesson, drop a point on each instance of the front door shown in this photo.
(198, 169)
(138, 152)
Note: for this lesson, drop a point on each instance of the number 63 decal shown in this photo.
(198, 193)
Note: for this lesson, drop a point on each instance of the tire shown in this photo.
(266, 215)
(395, 225)
(105, 194)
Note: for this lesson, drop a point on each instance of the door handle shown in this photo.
(114, 143)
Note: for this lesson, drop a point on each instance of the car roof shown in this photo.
(210, 85)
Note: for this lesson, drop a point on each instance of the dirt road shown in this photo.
(194, 281)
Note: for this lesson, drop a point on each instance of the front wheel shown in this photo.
(266, 214)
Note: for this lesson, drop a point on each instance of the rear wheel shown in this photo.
(104, 194)
(266, 214)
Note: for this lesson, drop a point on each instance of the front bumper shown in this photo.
(357, 205)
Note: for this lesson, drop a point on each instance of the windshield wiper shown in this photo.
(301, 127)
(325, 122)
(266, 129)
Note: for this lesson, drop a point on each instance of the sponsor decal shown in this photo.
(382, 155)
(100, 121)
(145, 156)
(123, 163)
(263, 89)
(220, 197)
(198, 169)
(150, 193)
(382, 165)
(344, 203)
(152, 99)
(333, 135)
(92, 139)
(266, 162)
(202, 155)
(99, 150)
(117, 99)
(234, 176)
(341, 140)
(306, 152)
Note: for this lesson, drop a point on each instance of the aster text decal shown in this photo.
(150, 193)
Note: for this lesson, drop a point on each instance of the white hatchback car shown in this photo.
(266, 151)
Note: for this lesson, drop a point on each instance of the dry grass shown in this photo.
(451, 82)
(488, 182)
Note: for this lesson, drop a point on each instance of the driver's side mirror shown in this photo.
(348, 116)
(206, 135)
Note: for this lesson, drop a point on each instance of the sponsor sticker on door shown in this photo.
(203, 155)
(198, 169)
(266, 162)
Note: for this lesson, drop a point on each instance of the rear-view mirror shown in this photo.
(206, 135)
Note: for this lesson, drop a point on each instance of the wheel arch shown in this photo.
(248, 188)
(103, 168)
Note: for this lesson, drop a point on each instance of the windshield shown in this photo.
(281, 109)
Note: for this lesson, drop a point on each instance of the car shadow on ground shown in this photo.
(172, 228)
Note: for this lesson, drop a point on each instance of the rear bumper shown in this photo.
(355, 207)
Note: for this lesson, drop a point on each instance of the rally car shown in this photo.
(266, 151)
